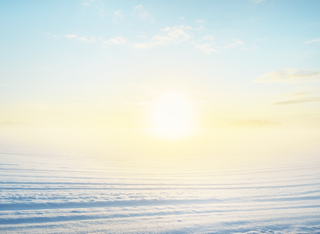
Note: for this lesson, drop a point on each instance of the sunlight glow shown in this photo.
(172, 116)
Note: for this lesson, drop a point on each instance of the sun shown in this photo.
(172, 115)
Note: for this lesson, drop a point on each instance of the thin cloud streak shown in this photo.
(296, 94)
(297, 101)
(312, 41)
(52, 35)
(201, 21)
(289, 76)
(234, 44)
(85, 39)
(114, 41)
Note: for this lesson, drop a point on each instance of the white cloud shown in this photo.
(201, 21)
(114, 41)
(92, 2)
(101, 12)
(235, 43)
(257, 1)
(168, 35)
(138, 10)
(314, 40)
(117, 40)
(179, 34)
(200, 28)
(52, 35)
(250, 47)
(173, 35)
(206, 44)
(207, 48)
(86, 39)
(72, 36)
(118, 14)
(289, 76)
(209, 38)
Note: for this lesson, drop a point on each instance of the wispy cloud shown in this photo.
(296, 94)
(206, 47)
(297, 97)
(91, 2)
(257, 1)
(172, 35)
(312, 41)
(175, 34)
(139, 11)
(101, 12)
(118, 14)
(168, 35)
(142, 36)
(289, 76)
(297, 101)
(201, 21)
(52, 35)
(71, 36)
(235, 43)
(207, 38)
(85, 39)
(117, 40)
(114, 41)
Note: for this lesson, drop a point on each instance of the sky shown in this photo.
(99, 62)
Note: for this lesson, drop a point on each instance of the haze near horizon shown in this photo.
(159, 116)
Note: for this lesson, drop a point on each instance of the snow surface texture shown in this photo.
(45, 192)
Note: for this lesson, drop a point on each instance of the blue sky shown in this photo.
(240, 59)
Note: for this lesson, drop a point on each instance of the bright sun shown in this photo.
(172, 115)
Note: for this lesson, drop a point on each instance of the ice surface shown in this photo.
(43, 191)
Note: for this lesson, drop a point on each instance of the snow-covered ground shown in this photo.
(43, 191)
